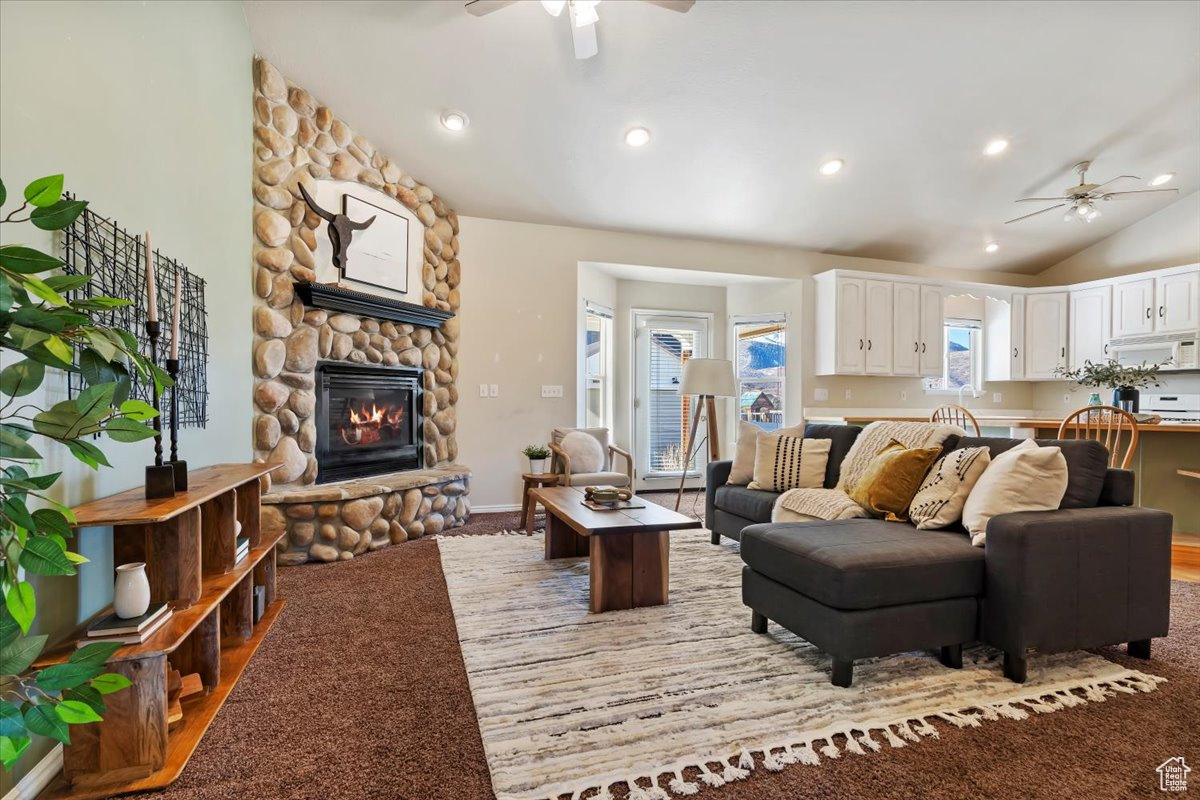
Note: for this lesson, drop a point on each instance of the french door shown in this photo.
(665, 341)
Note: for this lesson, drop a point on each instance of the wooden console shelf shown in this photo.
(189, 545)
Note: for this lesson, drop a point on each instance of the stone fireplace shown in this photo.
(355, 389)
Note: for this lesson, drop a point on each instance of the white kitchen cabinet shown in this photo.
(933, 336)
(1178, 302)
(1133, 307)
(906, 329)
(850, 320)
(877, 328)
(1090, 325)
(1045, 335)
(1003, 338)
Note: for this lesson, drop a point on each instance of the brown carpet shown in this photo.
(359, 692)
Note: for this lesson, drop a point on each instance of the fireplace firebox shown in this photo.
(368, 420)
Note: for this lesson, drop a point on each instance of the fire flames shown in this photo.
(370, 425)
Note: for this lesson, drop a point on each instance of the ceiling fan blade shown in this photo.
(585, 41)
(1039, 199)
(1034, 214)
(1107, 195)
(478, 8)
(682, 6)
(1114, 180)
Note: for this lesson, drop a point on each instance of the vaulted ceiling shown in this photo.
(745, 100)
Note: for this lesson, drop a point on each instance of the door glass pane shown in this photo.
(596, 378)
(669, 413)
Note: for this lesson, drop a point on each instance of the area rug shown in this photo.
(653, 702)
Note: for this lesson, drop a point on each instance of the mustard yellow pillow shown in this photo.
(891, 480)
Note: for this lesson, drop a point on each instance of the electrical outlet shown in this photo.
(997, 397)
(820, 394)
(903, 394)
(483, 390)
(552, 391)
(494, 390)
(1066, 398)
(847, 394)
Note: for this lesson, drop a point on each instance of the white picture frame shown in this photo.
(378, 254)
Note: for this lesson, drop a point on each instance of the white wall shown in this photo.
(146, 108)
(520, 320)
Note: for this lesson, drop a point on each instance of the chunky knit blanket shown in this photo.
(836, 503)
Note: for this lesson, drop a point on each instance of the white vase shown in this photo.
(537, 465)
(131, 594)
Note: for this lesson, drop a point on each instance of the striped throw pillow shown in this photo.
(785, 461)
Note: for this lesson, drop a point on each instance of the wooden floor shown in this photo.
(1185, 557)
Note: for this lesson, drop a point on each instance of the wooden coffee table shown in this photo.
(628, 550)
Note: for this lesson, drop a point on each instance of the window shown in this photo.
(761, 355)
(962, 362)
(597, 370)
(664, 417)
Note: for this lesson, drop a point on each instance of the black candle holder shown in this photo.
(179, 467)
(160, 478)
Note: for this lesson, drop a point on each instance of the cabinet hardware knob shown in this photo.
(922, 347)
(868, 344)
(860, 344)
(1161, 311)
(1064, 352)
(916, 346)
(1147, 313)
(1014, 352)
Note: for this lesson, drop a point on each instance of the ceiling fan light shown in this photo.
(1161, 179)
(1095, 212)
(554, 7)
(1069, 217)
(1083, 209)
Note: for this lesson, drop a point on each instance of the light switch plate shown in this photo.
(1066, 398)
(820, 394)
(483, 390)
(847, 394)
(903, 395)
(997, 397)
(552, 391)
(494, 390)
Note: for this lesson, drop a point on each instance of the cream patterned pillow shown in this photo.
(742, 471)
(940, 500)
(785, 461)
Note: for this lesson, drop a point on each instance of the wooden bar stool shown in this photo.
(951, 414)
(533, 480)
(1105, 424)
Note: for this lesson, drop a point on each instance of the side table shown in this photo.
(533, 480)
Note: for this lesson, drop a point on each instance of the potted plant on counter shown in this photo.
(537, 455)
(1126, 380)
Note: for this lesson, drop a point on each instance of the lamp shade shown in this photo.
(712, 376)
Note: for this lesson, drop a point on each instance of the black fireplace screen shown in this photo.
(368, 420)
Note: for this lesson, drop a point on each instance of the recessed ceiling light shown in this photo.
(831, 166)
(991, 247)
(454, 120)
(995, 147)
(1161, 179)
(636, 137)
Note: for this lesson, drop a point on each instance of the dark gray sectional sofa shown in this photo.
(1095, 572)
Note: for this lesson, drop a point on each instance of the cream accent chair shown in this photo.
(560, 463)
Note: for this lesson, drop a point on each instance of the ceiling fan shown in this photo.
(582, 14)
(1082, 199)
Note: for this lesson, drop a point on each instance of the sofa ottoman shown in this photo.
(864, 587)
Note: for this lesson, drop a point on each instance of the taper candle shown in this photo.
(151, 290)
(175, 319)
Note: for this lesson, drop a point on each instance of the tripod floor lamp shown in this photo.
(706, 379)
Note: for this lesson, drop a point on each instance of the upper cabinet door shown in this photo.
(1133, 307)
(1045, 334)
(1017, 372)
(933, 337)
(878, 326)
(906, 329)
(1178, 302)
(851, 333)
(1091, 325)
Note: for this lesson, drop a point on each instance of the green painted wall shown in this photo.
(146, 107)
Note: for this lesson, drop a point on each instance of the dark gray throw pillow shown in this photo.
(1087, 464)
(841, 437)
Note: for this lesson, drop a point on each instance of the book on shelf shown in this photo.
(243, 549)
(136, 637)
(112, 625)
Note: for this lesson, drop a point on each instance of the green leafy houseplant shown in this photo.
(1112, 374)
(536, 452)
(46, 324)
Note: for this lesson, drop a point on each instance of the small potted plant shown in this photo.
(1126, 380)
(538, 455)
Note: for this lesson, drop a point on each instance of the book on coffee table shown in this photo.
(615, 505)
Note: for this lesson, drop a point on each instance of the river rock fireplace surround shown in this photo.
(355, 393)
